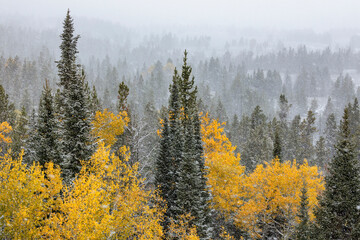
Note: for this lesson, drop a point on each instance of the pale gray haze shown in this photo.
(319, 15)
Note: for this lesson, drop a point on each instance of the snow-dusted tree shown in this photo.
(74, 110)
(337, 216)
(186, 192)
(303, 230)
(47, 148)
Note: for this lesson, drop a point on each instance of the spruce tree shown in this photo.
(303, 229)
(47, 148)
(74, 110)
(94, 102)
(321, 152)
(186, 192)
(284, 109)
(164, 177)
(19, 133)
(123, 93)
(31, 143)
(277, 145)
(337, 216)
(331, 132)
(192, 181)
(7, 109)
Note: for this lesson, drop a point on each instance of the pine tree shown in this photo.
(74, 110)
(20, 133)
(175, 147)
(123, 93)
(330, 136)
(284, 108)
(32, 141)
(321, 152)
(306, 148)
(303, 229)
(94, 102)
(7, 109)
(186, 192)
(277, 145)
(337, 216)
(164, 177)
(47, 149)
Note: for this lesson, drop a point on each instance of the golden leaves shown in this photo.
(225, 174)
(5, 129)
(107, 125)
(274, 189)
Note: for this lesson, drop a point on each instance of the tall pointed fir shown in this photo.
(337, 216)
(76, 143)
(186, 192)
(164, 176)
(19, 133)
(303, 231)
(47, 148)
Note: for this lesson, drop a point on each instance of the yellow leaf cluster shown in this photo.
(225, 174)
(274, 189)
(5, 129)
(107, 126)
(182, 229)
(105, 201)
(28, 200)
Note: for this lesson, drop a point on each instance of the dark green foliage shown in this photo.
(337, 216)
(331, 133)
(94, 102)
(181, 160)
(74, 114)
(46, 130)
(307, 130)
(163, 176)
(284, 108)
(321, 153)
(303, 231)
(7, 109)
(123, 93)
(277, 145)
(19, 133)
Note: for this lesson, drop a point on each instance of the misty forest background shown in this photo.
(278, 98)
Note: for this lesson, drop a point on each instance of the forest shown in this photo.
(164, 139)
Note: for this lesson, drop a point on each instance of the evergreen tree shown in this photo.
(47, 148)
(337, 216)
(321, 152)
(303, 229)
(277, 145)
(20, 133)
(331, 133)
(186, 192)
(123, 93)
(164, 177)
(284, 109)
(74, 111)
(306, 148)
(94, 102)
(32, 141)
(7, 109)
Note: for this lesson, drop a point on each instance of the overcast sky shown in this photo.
(319, 15)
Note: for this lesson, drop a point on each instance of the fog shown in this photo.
(319, 15)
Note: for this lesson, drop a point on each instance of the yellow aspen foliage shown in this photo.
(107, 125)
(181, 229)
(28, 199)
(225, 174)
(274, 189)
(107, 201)
(5, 129)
